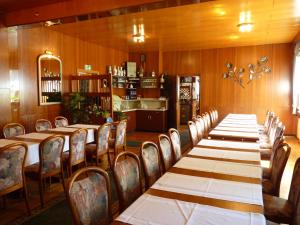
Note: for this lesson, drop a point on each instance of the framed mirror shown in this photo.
(49, 79)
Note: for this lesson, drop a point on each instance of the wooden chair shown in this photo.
(96, 151)
(151, 162)
(176, 144)
(165, 149)
(12, 160)
(198, 124)
(42, 124)
(119, 142)
(76, 154)
(61, 121)
(89, 197)
(212, 117)
(271, 186)
(280, 210)
(50, 162)
(193, 133)
(13, 129)
(201, 126)
(127, 173)
(267, 171)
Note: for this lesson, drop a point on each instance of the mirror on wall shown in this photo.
(49, 79)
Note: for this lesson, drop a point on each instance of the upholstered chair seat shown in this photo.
(165, 148)
(13, 129)
(96, 150)
(151, 162)
(281, 210)
(127, 173)
(278, 209)
(89, 197)
(272, 185)
(176, 144)
(61, 121)
(12, 161)
(42, 125)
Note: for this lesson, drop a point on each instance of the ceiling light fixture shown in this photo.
(245, 24)
(138, 33)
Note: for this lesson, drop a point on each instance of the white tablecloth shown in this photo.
(86, 126)
(240, 116)
(153, 210)
(90, 135)
(225, 154)
(33, 147)
(238, 169)
(235, 125)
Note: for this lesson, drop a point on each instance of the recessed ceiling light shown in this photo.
(245, 27)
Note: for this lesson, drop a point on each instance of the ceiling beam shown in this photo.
(67, 9)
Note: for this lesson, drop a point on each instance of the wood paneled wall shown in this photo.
(272, 91)
(19, 51)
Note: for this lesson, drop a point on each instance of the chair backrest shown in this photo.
(176, 144)
(212, 117)
(103, 134)
(120, 142)
(280, 158)
(12, 160)
(61, 121)
(77, 147)
(202, 125)
(151, 162)
(13, 129)
(277, 143)
(127, 173)
(199, 127)
(50, 154)
(193, 133)
(294, 194)
(216, 116)
(206, 124)
(42, 124)
(89, 197)
(165, 149)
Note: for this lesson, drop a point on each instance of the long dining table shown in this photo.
(34, 139)
(216, 182)
(237, 127)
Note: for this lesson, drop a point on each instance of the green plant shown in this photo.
(75, 107)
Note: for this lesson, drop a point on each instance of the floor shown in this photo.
(15, 207)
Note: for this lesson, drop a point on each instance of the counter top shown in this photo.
(130, 110)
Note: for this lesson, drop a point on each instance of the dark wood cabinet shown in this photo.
(148, 120)
(131, 120)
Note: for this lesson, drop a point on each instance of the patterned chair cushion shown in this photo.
(120, 134)
(61, 123)
(90, 198)
(151, 164)
(52, 154)
(193, 133)
(78, 141)
(176, 145)
(13, 131)
(127, 174)
(103, 139)
(11, 167)
(43, 125)
(166, 149)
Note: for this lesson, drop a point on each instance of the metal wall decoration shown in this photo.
(255, 71)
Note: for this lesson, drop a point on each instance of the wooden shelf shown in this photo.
(50, 78)
(90, 77)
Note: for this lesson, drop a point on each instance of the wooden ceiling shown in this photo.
(11, 5)
(198, 26)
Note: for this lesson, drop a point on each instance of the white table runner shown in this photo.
(86, 126)
(229, 144)
(235, 134)
(230, 168)
(238, 129)
(225, 154)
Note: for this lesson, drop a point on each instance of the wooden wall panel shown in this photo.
(21, 54)
(272, 91)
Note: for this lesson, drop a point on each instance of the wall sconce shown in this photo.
(255, 71)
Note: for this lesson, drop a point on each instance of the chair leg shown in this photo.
(41, 187)
(26, 200)
(108, 158)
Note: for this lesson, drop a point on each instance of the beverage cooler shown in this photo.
(188, 98)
